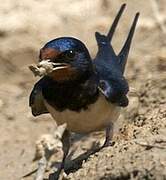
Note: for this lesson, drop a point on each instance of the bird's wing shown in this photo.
(36, 100)
(107, 64)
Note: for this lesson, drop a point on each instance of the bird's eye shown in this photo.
(70, 54)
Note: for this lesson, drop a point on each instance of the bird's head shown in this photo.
(70, 57)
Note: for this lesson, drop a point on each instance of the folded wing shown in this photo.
(36, 101)
(109, 66)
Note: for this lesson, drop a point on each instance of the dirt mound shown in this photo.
(139, 149)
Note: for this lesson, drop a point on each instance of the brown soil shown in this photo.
(140, 133)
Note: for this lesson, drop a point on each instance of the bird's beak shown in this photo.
(57, 71)
(49, 65)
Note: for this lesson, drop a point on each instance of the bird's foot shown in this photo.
(108, 143)
(61, 175)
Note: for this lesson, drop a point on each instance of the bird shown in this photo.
(85, 93)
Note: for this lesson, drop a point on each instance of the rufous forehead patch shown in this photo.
(48, 53)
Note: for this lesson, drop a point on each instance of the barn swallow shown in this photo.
(87, 94)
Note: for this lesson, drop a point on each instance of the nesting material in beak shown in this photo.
(46, 67)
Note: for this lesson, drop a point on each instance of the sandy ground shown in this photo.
(140, 133)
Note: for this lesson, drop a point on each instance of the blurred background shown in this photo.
(25, 26)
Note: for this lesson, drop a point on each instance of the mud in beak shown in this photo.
(46, 67)
(58, 71)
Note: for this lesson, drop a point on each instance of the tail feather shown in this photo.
(123, 55)
(105, 49)
(115, 22)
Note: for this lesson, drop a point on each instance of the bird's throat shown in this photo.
(63, 75)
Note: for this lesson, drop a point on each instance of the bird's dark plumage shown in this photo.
(111, 66)
(74, 96)
(78, 87)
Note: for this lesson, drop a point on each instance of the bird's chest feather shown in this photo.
(96, 117)
(83, 108)
(73, 96)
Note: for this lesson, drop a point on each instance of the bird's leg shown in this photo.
(109, 135)
(65, 147)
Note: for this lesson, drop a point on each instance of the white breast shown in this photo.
(96, 117)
